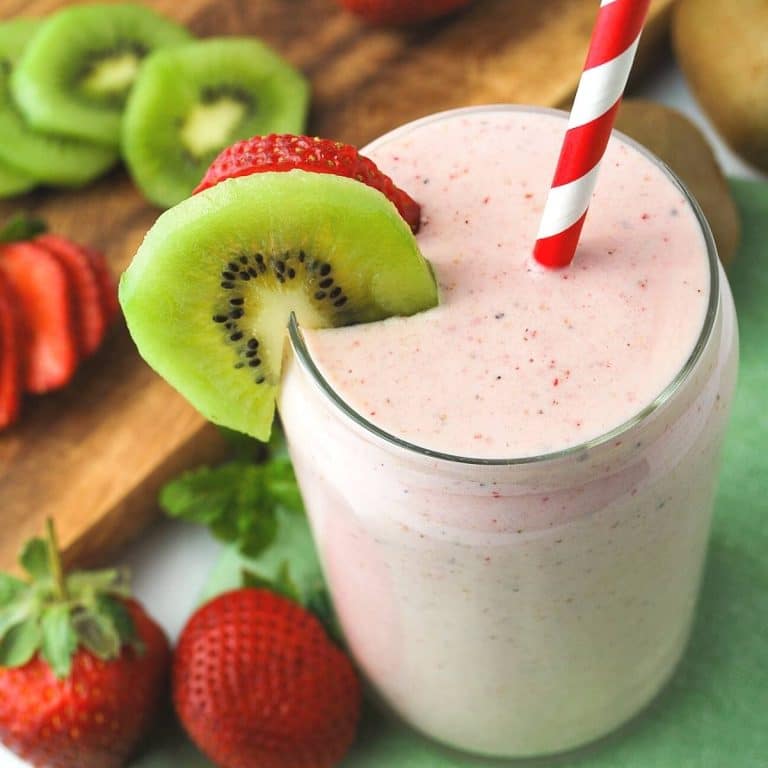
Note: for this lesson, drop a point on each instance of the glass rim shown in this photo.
(301, 352)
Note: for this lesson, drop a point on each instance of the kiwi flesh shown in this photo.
(191, 101)
(722, 47)
(13, 182)
(43, 157)
(210, 291)
(75, 74)
(682, 146)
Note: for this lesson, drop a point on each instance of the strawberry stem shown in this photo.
(54, 559)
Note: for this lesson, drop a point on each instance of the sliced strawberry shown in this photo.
(11, 357)
(401, 11)
(107, 285)
(285, 152)
(45, 296)
(90, 315)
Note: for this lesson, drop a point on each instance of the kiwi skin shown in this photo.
(47, 82)
(682, 146)
(722, 47)
(175, 287)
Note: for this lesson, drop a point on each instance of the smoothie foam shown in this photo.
(519, 361)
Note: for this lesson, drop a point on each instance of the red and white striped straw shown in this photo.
(609, 61)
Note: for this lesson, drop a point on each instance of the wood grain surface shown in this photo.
(94, 455)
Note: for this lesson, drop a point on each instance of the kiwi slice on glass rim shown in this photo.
(210, 292)
(45, 158)
(13, 182)
(192, 101)
(75, 74)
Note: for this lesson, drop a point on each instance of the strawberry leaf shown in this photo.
(319, 603)
(97, 633)
(116, 612)
(35, 559)
(20, 643)
(10, 588)
(114, 581)
(21, 227)
(282, 583)
(14, 614)
(59, 639)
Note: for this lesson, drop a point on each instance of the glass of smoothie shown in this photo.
(511, 493)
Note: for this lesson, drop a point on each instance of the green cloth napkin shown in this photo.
(714, 713)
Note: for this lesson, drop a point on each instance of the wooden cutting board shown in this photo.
(93, 456)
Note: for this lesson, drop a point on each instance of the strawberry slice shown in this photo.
(45, 296)
(11, 357)
(90, 317)
(107, 285)
(285, 152)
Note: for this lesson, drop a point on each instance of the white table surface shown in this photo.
(171, 561)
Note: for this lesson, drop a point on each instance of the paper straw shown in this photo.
(609, 61)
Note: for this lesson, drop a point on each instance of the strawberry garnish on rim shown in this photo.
(286, 152)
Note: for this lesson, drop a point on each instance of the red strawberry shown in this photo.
(90, 316)
(258, 682)
(107, 286)
(11, 355)
(45, 296)
(285, 152)
(84, 668)
(402, 11)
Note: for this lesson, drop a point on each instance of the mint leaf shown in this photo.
(278, 447)
(10, 588)
(204, 495)
(293, 545)
(59, 639)
(238, 500)
(244, 447)
(35, 559)
(20, 643)
(280, 480)
(21, 227)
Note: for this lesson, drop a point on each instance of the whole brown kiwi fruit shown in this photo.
(682, 146)
(722, 46)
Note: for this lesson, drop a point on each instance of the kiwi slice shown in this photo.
(209, 294)
(76, 72)
(13, 182)
(192, 101)
(44, 157)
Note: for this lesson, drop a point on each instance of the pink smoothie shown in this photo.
(523, 607)
(518, 361)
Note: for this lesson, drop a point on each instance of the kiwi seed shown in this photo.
(280, 269)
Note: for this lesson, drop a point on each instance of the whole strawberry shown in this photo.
(84, 668)
(257, 683)
(286, 152)
(397, 12)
